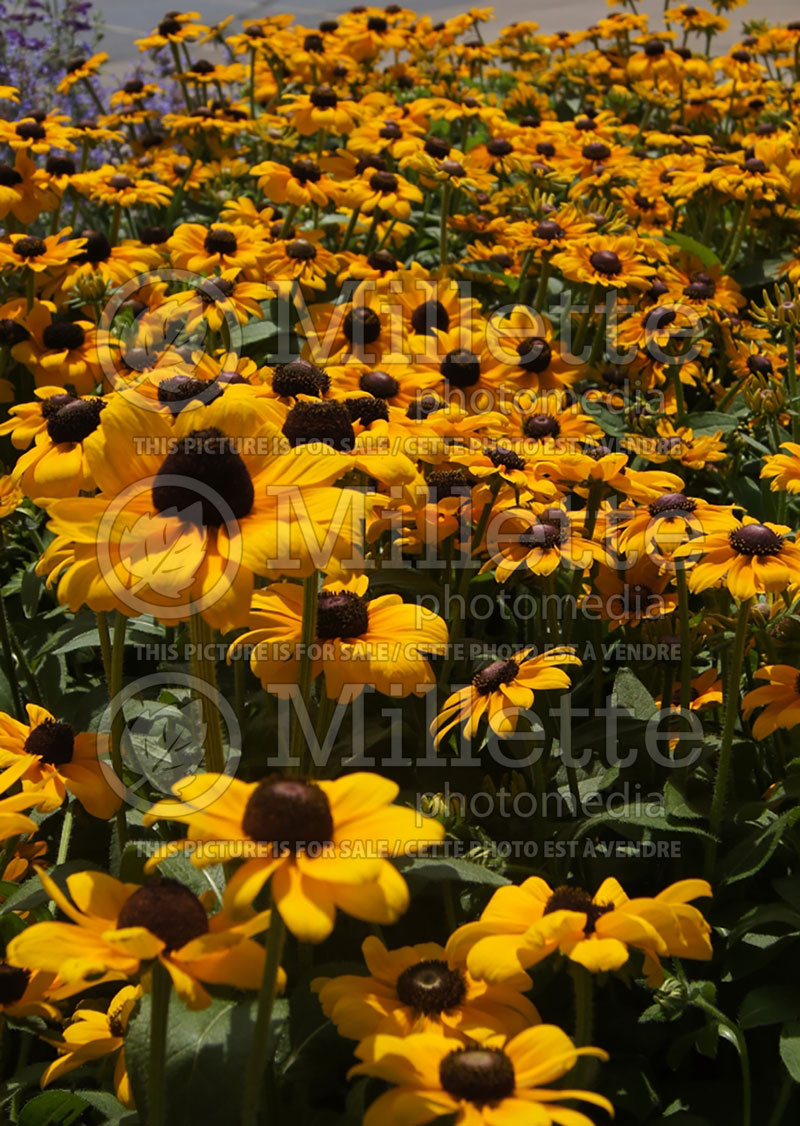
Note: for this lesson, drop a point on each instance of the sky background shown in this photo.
(127, 20)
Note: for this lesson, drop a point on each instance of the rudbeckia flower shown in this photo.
(23, 993)
(538, 539)
(302, 259)
(55, 760)
(750, 558)
(324, 845)
(117, 928)
(780, 698)
(183, 519)
(502, 690)
(13, 822)
(301, 182)
(93, 1035)
(60, 351)
(607, 261)
(522, 925)
(51, 252)
(495, 1083)
(783, 469)
(216, 248)
(663, 524)
(418, 989)
(383, 642)
(321, 109)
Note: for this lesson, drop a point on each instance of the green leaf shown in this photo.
(114, 1113)
(430, 870)
(632, 695)
(769, 1004)
(706, 255)
(52, 1107)
(708, 422)
(790, 1048)
(207, 1054)
(31, 894)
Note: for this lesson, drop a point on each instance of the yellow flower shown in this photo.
(502, 690)
(607, 261)
(55, 760)
(382, 643)
(781, 697)
(118, 928)
(750, 558)
(323, 845)
(496, 1083)
(418, 989)
(91, 1035)
(523, 925)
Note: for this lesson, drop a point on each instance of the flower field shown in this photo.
(400, 670)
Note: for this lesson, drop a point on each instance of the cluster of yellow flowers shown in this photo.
(378, 313)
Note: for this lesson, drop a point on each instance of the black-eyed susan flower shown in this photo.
(522, 925)
(301, 182)
(321, 110)
(323, 845)
(13, 822)
(493, 1083)
(381, 642)
(29, 252)
(779, 697)
(662, 524)
(93, 1034)
(502, 690)
(538, 539)
(217, 248)
(117, 928)
(302, 259)
(60, 351)
(24, 993)
(57, 759)
(750, 558)
(610, 262)
(782, 470)
(418, 989)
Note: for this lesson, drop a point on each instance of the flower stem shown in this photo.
(583, 987)
(731, 712)
(259, 1048)
(159, 1019)
(112, 664)
(66, 832)
(446, 192)
(10, 660)
(791, 375)
(686, 649)
(204, 668)
(310, 596)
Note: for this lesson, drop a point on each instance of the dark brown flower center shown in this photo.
(499, 146)
(29, 247)
(178, 390)
(97, 249)
(445, 483)
(637, 598)
(596, 150)
(299, 377)
(301, 250)
(541, 426)
(429, 316)
(220, 241)
(9, 177)
(759, 365)
(382, 260)
(549, 229)
(168, 910)
(461, 368)
(327, 422)
(383, 182)
(671, 503)
(75, 420)
(30, 131)
(341, 614)
(153, 236)
(500, 456)
(169, 27)
(213, 290)
(224, 488)
(361, 326)
(379, 383)
(478, 1075)
(367, 409)
(543, 535)
(659, 318)
(13, 983)
(566, 898)
(755, 539)
(606, 262)
(52, 741)
(654, 48)
(534, 354)
(63, 335)
(323, 97)
(431, 987)
(288, 812)
(497, 673)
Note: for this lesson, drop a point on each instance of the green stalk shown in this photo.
(310, 597)
(736, 245)
(577, 346)
(9, 660)
(446, 193)
(791, 374)
(351, 226)
(66, 832)
(205, 669)
(731, 713)
(161, 984)
(259, 1048)
(686, 651)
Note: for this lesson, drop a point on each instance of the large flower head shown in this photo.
(751, 558)
(116, 929)
(381, 642)
(417, 988)
(54, 759)
(324, 845)
(523, 925)
(492, 1083)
